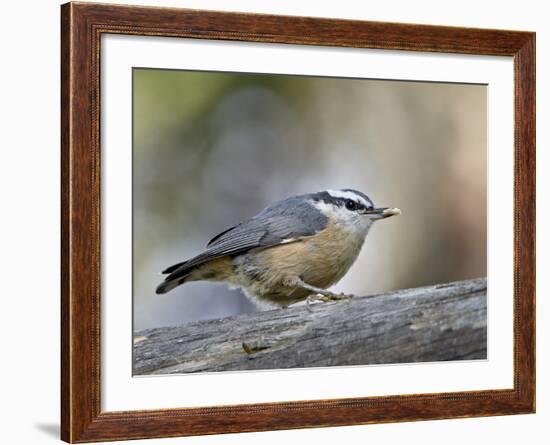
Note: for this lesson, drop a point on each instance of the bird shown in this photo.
(292, 251)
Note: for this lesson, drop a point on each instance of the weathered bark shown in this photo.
(433, 323)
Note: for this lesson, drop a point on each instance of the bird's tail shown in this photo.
(173, 268)
(202, 267)
(175, 277)
(167, 286)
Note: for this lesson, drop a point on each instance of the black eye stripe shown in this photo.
(341, 201)
(347, 202)
(351, 204)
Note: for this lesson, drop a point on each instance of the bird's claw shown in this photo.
(320, 298)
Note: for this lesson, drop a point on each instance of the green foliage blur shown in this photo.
(211, 149)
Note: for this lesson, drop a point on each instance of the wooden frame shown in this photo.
(81, 27)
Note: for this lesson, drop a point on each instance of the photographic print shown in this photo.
(303, 221)
(289, 222)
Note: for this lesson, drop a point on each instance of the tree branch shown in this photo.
(433, 323)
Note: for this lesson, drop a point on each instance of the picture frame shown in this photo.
(82, 27)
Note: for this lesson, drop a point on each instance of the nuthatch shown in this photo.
(295, 248)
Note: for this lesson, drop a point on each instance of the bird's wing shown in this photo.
(291, 218)
(269, 228)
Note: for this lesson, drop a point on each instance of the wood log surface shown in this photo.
(425, 324)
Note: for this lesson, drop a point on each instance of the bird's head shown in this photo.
(351, 209)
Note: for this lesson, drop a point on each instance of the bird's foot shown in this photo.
(327, 297)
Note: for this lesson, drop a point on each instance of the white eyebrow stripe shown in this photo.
(348, 195)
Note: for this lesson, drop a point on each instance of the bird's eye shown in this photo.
(350, 204)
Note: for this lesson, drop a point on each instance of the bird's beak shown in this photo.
(382, 213)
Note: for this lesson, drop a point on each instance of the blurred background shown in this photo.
(212, 149)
